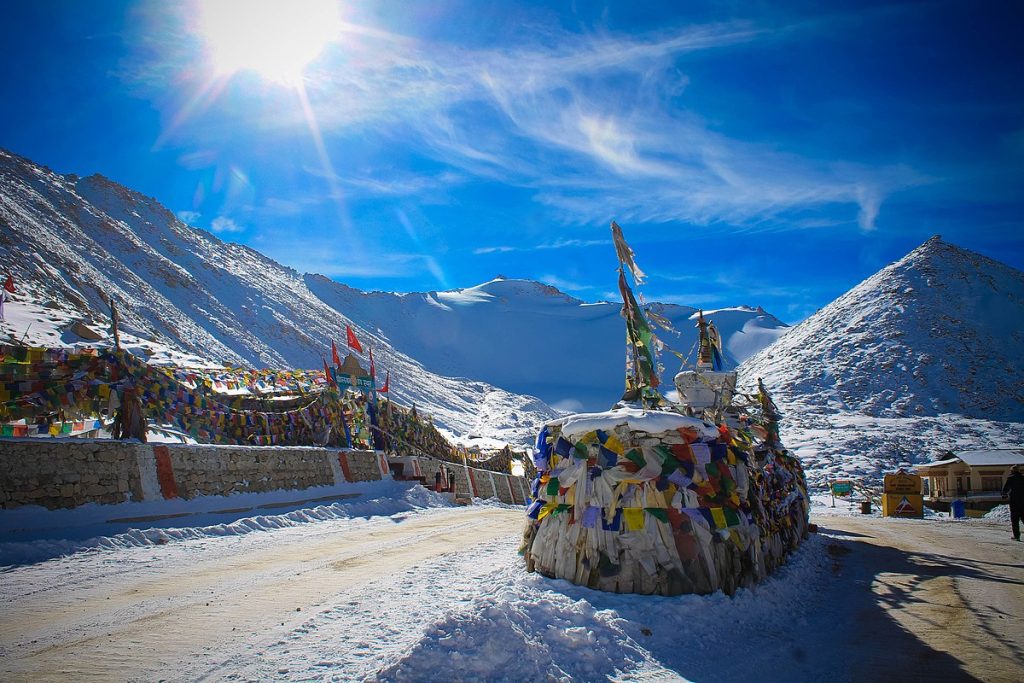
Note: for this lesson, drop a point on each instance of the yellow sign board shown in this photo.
(902, 483)
(902, 505)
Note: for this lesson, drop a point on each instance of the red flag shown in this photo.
(9, 285)
(327, 374)
(353, 343)
(334, 355)
(387, 378)
(373, 369)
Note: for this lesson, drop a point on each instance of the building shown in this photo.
(976, 477)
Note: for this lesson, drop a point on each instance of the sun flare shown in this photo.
(274, 38)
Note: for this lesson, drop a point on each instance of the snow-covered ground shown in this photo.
(395, 584)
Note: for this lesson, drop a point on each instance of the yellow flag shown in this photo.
(634, 518)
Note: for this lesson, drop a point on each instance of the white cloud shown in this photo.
(223, 224)
(189, 217)
(596, 125)
(559, 244)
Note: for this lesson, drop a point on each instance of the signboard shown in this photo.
(902, 483)
(842, 487)
(354, 381)
(902, 505)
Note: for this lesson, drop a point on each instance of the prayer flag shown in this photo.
(373, 368)
(327, 375)
(625, 254)
(642, 377)
(353, 343)
(634, 518)
(334, 355)
(9, 285)
(387, 378)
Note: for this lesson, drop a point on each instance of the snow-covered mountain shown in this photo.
(920, 358)
(531, 338)
(71, 242)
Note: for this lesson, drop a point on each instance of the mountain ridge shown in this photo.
(135, 249)
(72, 243)
(920, 358)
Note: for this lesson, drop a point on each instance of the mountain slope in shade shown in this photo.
(531, 338)
(922, 357)
(74, 241)
(71, 242)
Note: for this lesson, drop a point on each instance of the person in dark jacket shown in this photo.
(1014, 488)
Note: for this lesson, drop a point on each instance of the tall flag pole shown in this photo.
(8, 287)
(641, 366)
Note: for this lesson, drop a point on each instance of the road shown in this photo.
(936, 600)
(156, 618)
(897, 600)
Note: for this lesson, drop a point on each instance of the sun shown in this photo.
(274, 38)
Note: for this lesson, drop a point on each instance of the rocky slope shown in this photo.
(922, 357)
(72, 242)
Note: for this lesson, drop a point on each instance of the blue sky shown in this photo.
(757, 153)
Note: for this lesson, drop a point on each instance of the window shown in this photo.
(991, 483)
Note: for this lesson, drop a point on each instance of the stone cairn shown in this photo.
(656, 502)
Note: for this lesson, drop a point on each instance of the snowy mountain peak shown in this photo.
(935, 332)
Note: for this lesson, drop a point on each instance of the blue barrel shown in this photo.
(958, 509)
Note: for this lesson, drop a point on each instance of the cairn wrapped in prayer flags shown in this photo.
(683, 508)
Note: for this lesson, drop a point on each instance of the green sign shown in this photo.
(842, 488)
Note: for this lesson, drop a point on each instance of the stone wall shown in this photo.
(471, 482)
(66, 473)
(57, 474)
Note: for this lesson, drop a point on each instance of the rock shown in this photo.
(85, 332)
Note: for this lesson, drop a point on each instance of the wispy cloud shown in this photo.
(560, 244)
(563, 284)
(594, 125)
(189, 217)
(223, 224)
(393, 183)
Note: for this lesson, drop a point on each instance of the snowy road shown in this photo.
(396, 586)
(149, 615)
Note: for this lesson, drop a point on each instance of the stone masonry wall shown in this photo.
(66, 473)
(488, 484)
(223, 470)
(56, 474)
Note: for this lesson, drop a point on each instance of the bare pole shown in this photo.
(113, 323)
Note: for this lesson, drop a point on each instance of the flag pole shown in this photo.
(113, 323)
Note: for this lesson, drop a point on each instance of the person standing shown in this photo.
(1014, 488)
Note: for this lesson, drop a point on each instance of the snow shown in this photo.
(212, 596)
(919, 359)
(650, 421)
(31, 533)
(471, 615)
(533, 339)
(1000, 513)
